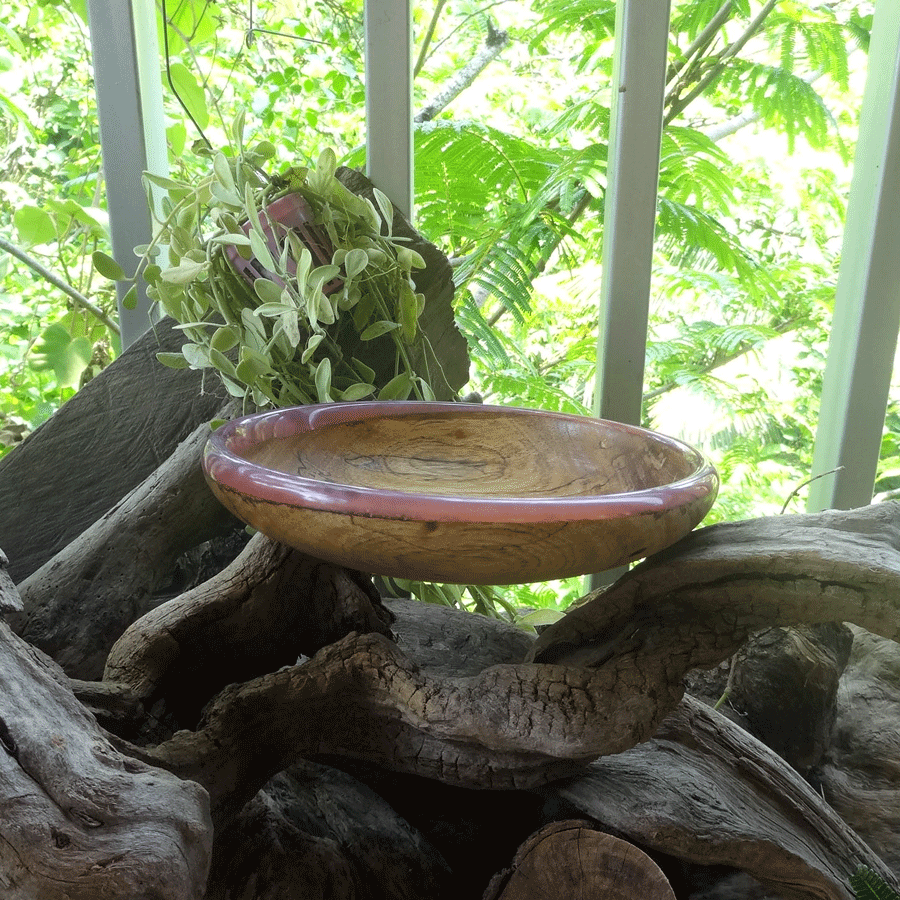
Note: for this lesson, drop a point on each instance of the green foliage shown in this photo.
(867, 885)
(294, 330)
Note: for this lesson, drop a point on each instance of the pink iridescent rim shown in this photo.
(224, 464)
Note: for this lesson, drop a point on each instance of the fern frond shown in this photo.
(867, 885)
(783, 101)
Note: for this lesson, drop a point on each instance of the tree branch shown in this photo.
(427, 38)
(493, 44)
(678, 106)
(702, 41)
(57, 282)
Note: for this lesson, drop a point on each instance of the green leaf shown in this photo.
(190, 93)
(197, 356)
(168, 184)
(323, 380)
(224, 338)
(357, 391)
(539, 617)
(107, 266)
(34, 226)
(355, 262)
(311, 344)
(272, 309)
(184, 273)
(67, 356)
(270, 294)
(291, 326)
(129, 301)
(367, 373)
(377, 329)
(386, 208)
(398, 388)
(261, 251)
(868, 885)
(173, 360)
(232, 239)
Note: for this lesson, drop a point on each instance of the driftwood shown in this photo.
(80, 821)
(782, 688)
(316, 833)
(79, 602)
(269, 607)
(704, 790)
(416, 704)
(860, 773)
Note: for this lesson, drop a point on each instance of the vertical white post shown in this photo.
(629, 221)
(129, 104)
(389, 119)
(867, 304)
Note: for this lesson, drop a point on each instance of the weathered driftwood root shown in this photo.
(782, 687)
(98, 446)
(860, 773)
(79, 820)
(524, 724)
(704, 790)
(695, 603)
(270, 606)
(573, 859)
(81, 600)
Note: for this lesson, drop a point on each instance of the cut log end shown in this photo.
(573, 859)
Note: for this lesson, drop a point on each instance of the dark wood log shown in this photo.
(270, 606)
(574, 859)
(860, 773)
(316, 833)
(781, 686)
(704, 790)
(101, 444)
(80, 602)
(80, 821)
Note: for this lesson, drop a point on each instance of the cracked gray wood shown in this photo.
(80, 820)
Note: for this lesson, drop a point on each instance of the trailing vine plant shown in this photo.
(286, 312)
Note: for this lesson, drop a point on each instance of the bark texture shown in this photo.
(78, 603)
(80, 820)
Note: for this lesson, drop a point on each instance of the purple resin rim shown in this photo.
(224, 465)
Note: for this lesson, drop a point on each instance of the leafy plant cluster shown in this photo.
(283, 336)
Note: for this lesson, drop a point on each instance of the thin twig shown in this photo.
(40, 269)
(806, 483)
(680, 105)
(702, 41)
(428, 36)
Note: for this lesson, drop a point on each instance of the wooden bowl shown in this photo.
(458, 493)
